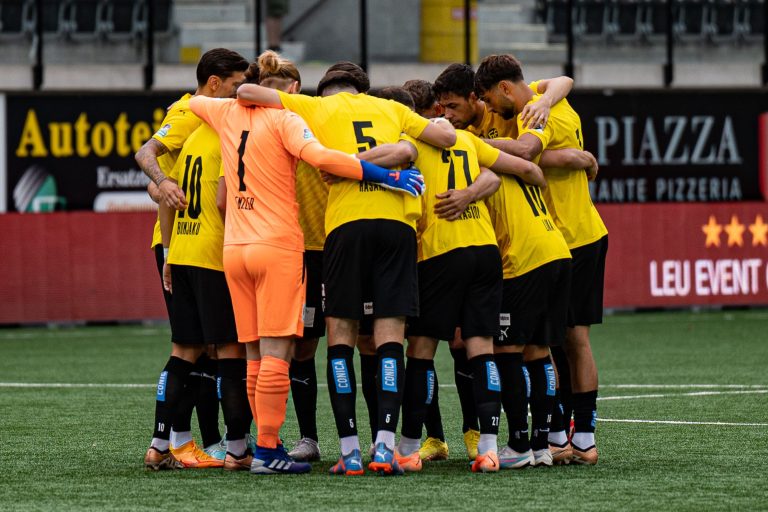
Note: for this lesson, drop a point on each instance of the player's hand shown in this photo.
(408, 180)
(172, 195)
(534, 115)
(452, 203)
(167, 278)
(330, 179)
(592, 169)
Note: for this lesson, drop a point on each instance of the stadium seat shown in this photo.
(557, 25)
(725, 20)
(753, 20)
(627, 20)
(122, 20)
(16, 19)
(87, 19)
(592, 21)
(693, 21)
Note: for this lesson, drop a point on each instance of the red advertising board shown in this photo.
(686, 255)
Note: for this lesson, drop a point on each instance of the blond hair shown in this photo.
(272, 65)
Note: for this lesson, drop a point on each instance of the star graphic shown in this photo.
(712, 229)
(759, 232)
(735, 231)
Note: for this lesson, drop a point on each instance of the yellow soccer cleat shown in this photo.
(471, 438)
(434, 449)
(191, 456)
(157, 460)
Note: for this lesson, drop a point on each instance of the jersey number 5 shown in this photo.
(363, 138)
(193, 172)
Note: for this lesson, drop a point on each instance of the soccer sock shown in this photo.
(542, 374)
(304, 391)
(389, 386)
(234, 400)
(368, 366)
(434, 420)
(514, 391)
(342, 389)
(252, 369)
(408, 445)
(584, 419)
(179, 439)
(564, 373)
(182, 421)
(463, 376)
(170, 389)
(419, 390)
(487, 391)
(207, 402)
(271, 399)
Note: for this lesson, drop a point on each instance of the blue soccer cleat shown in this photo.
(349, 465)
(384, 461)
(275, 461)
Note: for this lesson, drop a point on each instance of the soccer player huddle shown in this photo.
(390, 220)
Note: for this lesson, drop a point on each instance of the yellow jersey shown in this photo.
(567, 194)
(493, 126)
(532, 238)
(178, 124)
(453, 168)
(312, 196)
(197, 238)
(354, 123)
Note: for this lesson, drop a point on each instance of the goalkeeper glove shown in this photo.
(408, 180)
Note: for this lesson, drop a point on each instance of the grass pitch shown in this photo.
(683, 426)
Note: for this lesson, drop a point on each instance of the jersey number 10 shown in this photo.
(193, 173)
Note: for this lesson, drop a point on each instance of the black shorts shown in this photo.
(314, 318)
(587, 283)
(160, 259)
(534, 310)
(461, 288)
(202, 307)
(369, 270)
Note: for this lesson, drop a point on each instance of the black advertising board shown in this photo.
(76, 152)
(675, 146)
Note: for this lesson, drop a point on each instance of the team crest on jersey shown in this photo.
(162, 132)
(308, 134)
(493, 133)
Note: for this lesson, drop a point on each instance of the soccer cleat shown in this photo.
(561, 454)
(542, 457)
(586, 457)
(250, 442)
(274, 461)
(410, 463)
(384, 461)
(157, 460)
(193, 457)
(433, 449)
(241, 463)
(486, 463)
(306, 450)
(511, 459)
(217, 450)
(349, 465)
(471, 438)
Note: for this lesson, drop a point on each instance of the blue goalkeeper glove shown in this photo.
(409, 180)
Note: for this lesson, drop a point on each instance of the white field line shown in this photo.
(676, 422)
(684, 386)
(694, 393)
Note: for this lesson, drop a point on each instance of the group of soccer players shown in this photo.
(414, 212)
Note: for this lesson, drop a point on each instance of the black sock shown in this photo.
(418, 394)
(487, 392)
(342, 388)
(434, 420)
(207, 402)
(542, 374)
(564, 391)
(514, 391)
(234, 398)
(463, 376)
(585, 411)
(170, 389)
(304, 391)
(389, 384)
(368, 365)
(558, 421)
(182, 421)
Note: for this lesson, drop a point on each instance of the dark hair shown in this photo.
(398, 94)
(219, 62)
(421, 92)
(252, 73)
(495, 68)
(456, 79)
(345, 73)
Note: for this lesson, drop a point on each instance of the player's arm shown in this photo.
(221, 197)
(146, 157)
(570, 158)
(452, 203)
(391, 155)
(528, 171)
(552, 90)
(439, 132)
(251, 95)
(154, 192)
(528, 146)
(166, 215)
